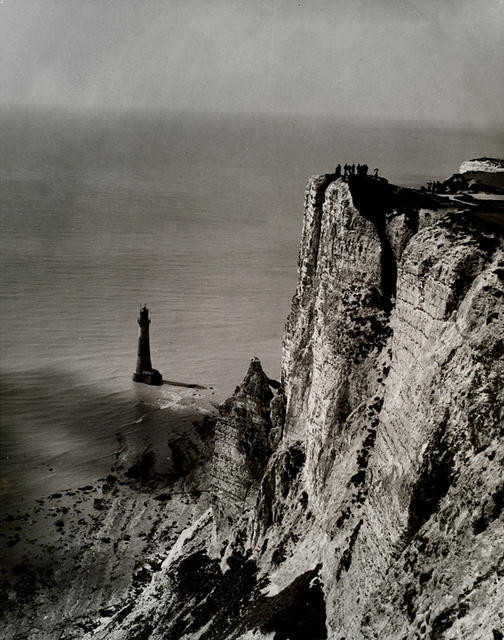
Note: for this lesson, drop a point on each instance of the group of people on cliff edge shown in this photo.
(352, 170)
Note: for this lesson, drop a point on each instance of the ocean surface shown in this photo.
(199, 216)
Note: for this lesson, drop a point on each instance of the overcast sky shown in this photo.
(429, 60)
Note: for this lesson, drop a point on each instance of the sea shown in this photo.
(197, 215)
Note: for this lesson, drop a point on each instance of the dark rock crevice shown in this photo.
(491, 509)
(298, 612)
(434, 480)
(346, 557)
(372, 198)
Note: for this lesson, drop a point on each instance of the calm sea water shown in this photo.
(197, 216)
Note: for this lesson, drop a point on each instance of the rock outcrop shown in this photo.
(472, 183)
(490, 165)
(243, 445)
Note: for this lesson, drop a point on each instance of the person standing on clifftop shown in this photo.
(376, 173)
(337, 171)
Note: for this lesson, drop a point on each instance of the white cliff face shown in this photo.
(439, 444)
(490, 165)
(337, 322)
(396, 420)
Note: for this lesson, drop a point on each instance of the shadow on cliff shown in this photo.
(374, 197)
(234, 603)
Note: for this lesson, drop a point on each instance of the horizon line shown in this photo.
(195, 112)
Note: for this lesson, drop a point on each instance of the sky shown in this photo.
(439, 61)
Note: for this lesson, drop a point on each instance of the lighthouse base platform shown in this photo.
(152, 377)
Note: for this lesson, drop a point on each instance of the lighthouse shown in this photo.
(144, 371)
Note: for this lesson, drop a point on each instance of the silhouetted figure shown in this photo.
(359, 169)
(337, 171)
(346, 169)
(353, 169)
(376, 173)
(364, 169)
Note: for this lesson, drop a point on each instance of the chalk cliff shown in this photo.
(363, 495)
(393, 368)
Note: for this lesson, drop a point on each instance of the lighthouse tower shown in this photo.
(144, 371)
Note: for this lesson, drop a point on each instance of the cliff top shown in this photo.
(476, 192)
(374, 196)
